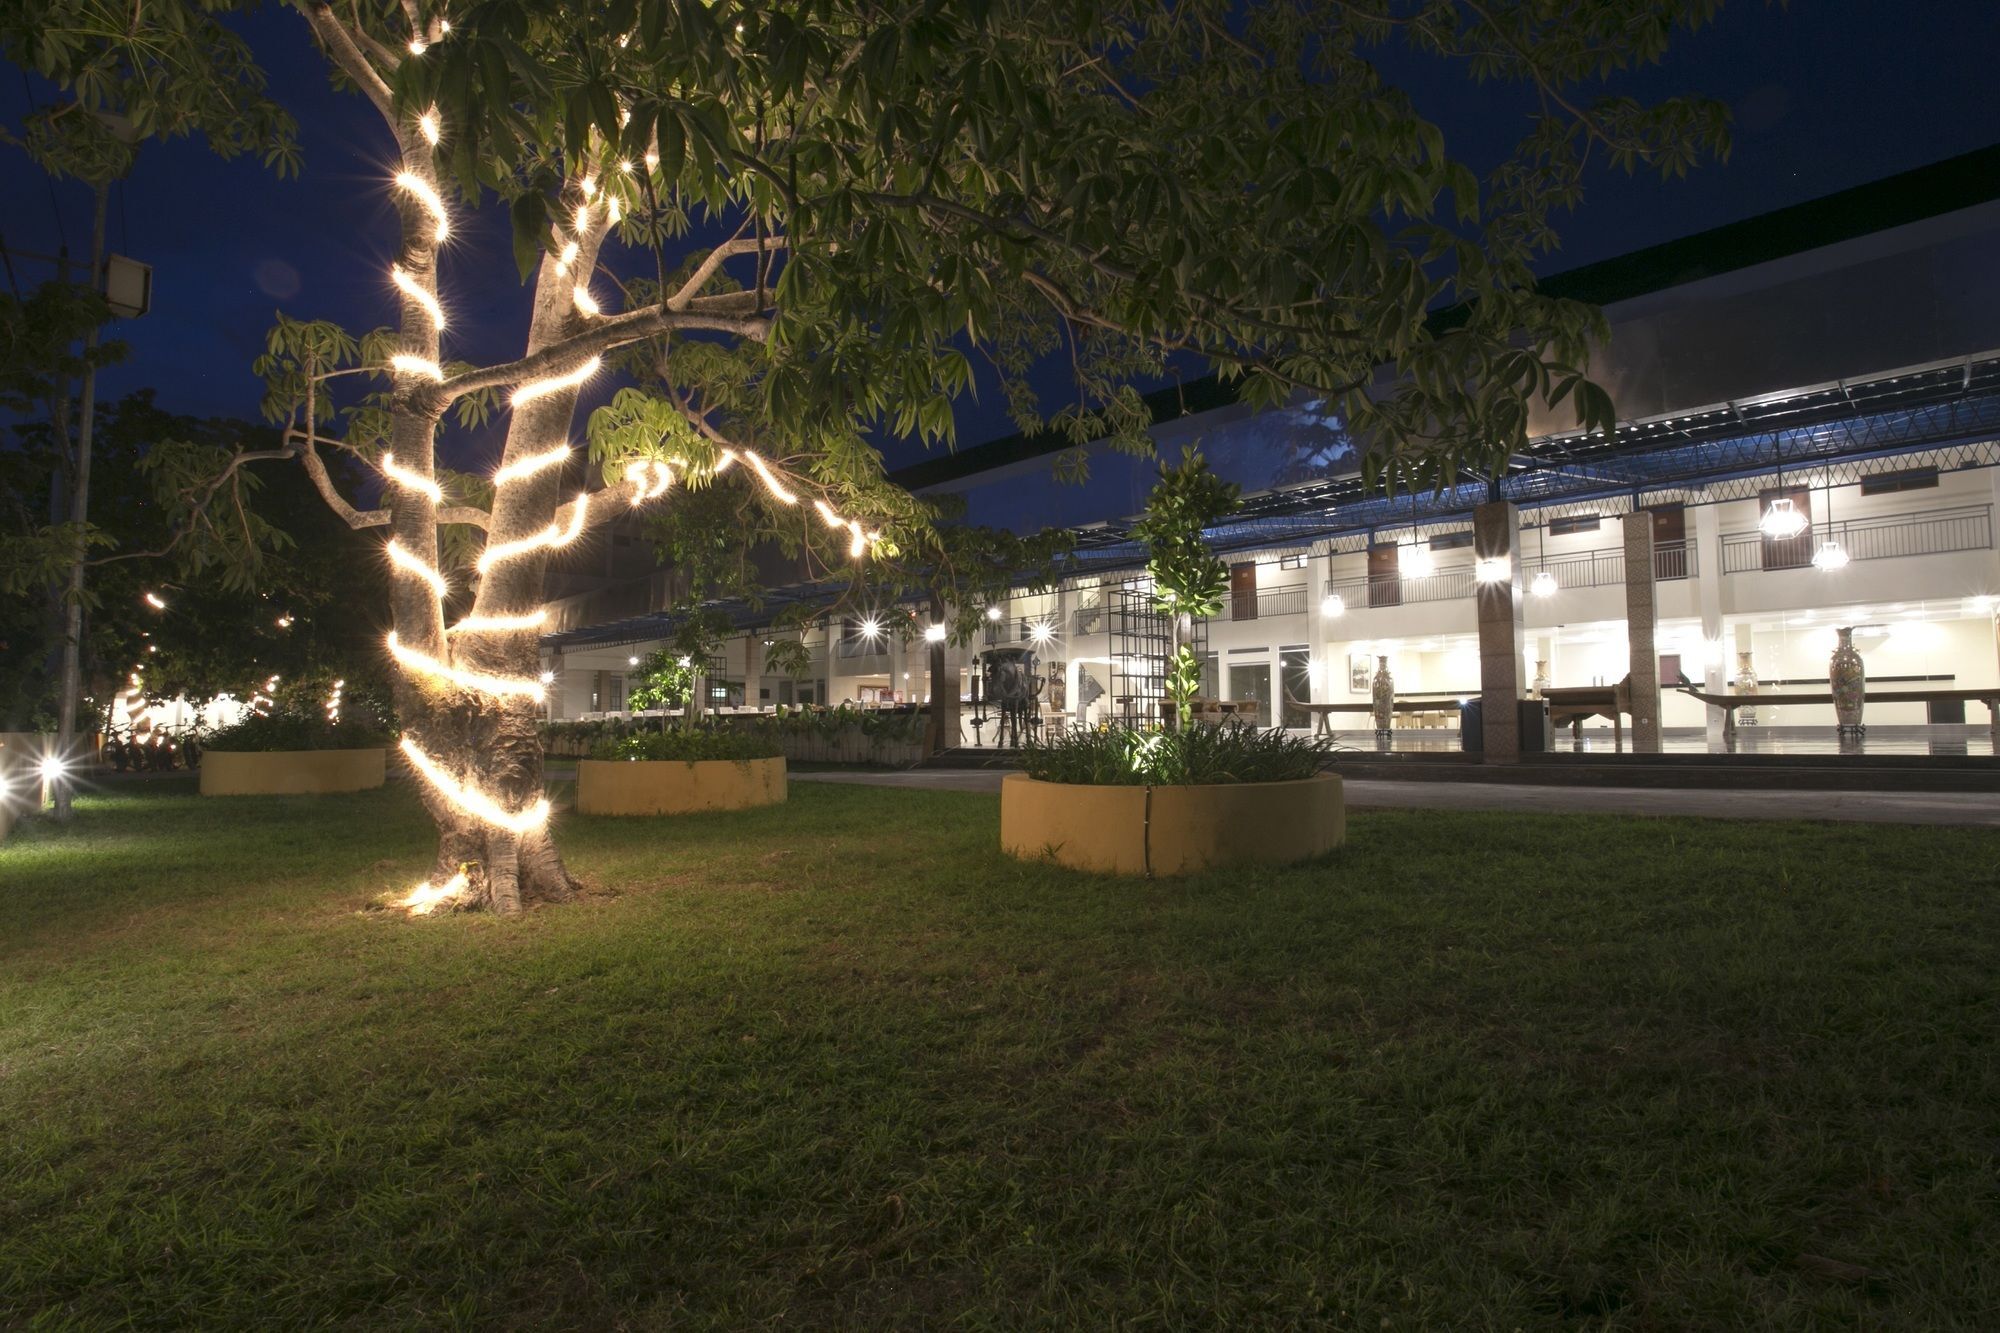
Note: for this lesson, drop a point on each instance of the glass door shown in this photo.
(1250, 682)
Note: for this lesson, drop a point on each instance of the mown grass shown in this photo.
(840, 1065)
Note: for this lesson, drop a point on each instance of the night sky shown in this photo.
(1826, 94)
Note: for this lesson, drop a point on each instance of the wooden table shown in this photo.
(1573, 703)
(1729, 703)
(1323, 713)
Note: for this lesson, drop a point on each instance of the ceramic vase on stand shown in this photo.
(1384, 696)
(1848, 679)
(1746, 683)
(1542, 681)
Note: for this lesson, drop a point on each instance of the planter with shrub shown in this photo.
(292, 753)
(1157, 802)
(680, 772)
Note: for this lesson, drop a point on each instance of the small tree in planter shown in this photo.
(1188, 579)
(673, 676)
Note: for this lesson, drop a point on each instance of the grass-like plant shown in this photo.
(689, 746)
(1191, 756)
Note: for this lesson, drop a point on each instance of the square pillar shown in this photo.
(1708, 589)
(1641, 614)
(1496, 542)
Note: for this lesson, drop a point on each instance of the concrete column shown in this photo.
(1708, 593)
(1641, 614)
(1496, 536)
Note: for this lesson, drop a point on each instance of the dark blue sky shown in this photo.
(1826, 94)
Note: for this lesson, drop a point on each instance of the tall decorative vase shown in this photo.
(1849, 681)
(1384, 696)
(1542, 681)
(1746, 683)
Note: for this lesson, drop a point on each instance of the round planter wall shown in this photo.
(1111, 829)
(676, 786)
(289, 772)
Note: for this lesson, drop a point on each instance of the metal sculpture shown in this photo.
(1007, 680)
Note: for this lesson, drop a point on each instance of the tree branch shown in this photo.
(736, 245)
(600, 335)
(345, 54)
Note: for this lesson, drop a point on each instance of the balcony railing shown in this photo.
(862, 645)
(1600, 568)
(1882, 537)
(1287, 600)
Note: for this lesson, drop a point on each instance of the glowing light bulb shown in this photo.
(567, 257)
(992, 613)
(1041, 633)
(1543, 584)
(934, 633)
(1492, 569)
(500, 624)
(405, 364)
(551, 536)
(548, 677)
(831, 519)
(769, 478)
(1782, 520)
(479, 682)
(411, 481)
(428, 125)
(415, 291)
(433, 203)
(470, 799)
(872, 628)
(418, 46)
(153, 600)
(613, 210)
(529, 466)
(52, 767)
(1334, 605)
(585, 302)
(652, 160)
(534, 389)
(650, 479)
(1830, 556)
(401, 557)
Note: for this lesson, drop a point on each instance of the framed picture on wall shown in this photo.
(1360, 672)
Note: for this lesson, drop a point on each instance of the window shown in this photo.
(1910, 479)
(1574, 523)
(1292, 561)
(1451, 541)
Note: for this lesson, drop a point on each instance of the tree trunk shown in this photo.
(941, 732)
(496, 743)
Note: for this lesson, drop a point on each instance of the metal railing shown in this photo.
(1881, 537)
(1600, 568)
(1443, 586)
(1287, 600)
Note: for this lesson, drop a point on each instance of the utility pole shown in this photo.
(64, 786)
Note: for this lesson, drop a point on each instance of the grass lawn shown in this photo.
(840, 1065)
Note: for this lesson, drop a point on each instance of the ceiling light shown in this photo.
(934, 634)
(1543, 584)
(1830, 556)
(1782, 520)
(1334, 605)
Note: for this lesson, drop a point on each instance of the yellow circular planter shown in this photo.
(289, 772)
(676, 786)
(1171, 830)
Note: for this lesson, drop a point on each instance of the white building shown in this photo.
(1843, 356)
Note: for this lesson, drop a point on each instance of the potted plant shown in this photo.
(296, 747)
(1173, 798)
(680, 771)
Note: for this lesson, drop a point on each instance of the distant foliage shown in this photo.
(296, 729)
(689, 746)
(1192, 757)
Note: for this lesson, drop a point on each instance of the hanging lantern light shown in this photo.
(1830, 556)
(1414, 561)
(1782, 520)
(1543, 584)
(1334, 605)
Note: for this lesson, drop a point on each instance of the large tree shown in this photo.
(833, 206)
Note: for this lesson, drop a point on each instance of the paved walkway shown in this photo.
(1980, 808)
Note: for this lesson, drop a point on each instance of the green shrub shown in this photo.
(1194, 756)
(687, 746)
(295, 729)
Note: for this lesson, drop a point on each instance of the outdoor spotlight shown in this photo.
(1543, 584)
(992, 613)
(1782, 520)
(1041, 633)
(1334, 605)
(1830, 556)
(934, 633)
(52, 767)
(1493, 569)
(631, 661)
(872, 628)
